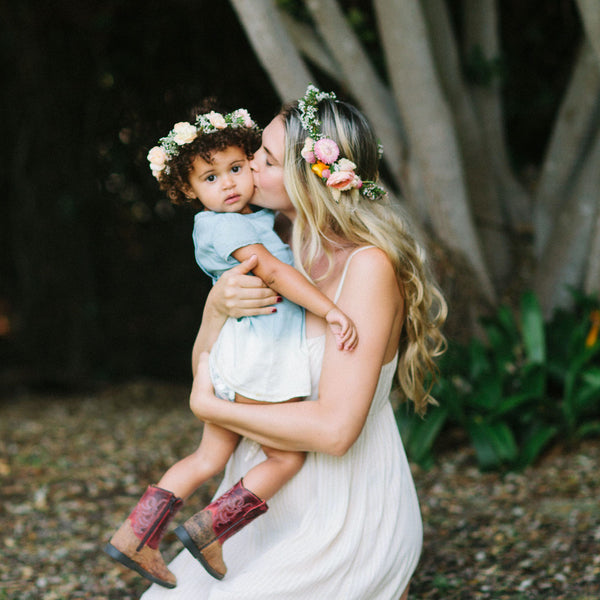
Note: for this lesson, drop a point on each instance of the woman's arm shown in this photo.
(289, 282)
(236, 294)
(333, 422)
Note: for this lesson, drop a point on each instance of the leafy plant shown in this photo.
(528, 384)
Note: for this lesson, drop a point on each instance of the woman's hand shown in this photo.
(237, 294)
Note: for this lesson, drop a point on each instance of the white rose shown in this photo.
(157, 157)
(345, 165)
(184, 133)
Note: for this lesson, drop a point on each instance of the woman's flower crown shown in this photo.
(323, 154)
(184, 133)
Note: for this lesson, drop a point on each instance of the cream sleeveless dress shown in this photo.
(344, 528)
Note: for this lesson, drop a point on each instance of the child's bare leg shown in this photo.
(268, 477)
(185, 476)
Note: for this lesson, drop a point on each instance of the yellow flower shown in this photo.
(319, 167)
(592, 336)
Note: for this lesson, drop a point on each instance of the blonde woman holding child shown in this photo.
(256, 359)
(348, 524)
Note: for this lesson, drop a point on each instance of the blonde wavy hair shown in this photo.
(321, 222)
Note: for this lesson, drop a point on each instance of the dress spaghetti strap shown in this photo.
(341, 283)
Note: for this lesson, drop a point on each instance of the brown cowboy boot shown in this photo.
(135, 544)
(204, 533)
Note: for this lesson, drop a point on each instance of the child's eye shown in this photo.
(211, 178)
(236, 168)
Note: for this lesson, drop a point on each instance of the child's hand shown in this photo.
(343, 328)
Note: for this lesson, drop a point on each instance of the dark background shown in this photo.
(97, 275)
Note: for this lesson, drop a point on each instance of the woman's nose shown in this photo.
(254, 161)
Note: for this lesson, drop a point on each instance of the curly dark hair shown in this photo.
(174, 179)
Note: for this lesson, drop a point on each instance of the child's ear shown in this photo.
(188, 192)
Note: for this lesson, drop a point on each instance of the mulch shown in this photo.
(71, 468)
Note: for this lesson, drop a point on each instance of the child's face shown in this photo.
(224, 185)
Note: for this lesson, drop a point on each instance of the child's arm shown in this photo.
(289, 282)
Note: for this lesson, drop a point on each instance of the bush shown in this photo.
(529, 384)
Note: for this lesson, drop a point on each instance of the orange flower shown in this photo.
(319, 167)
(592, 336)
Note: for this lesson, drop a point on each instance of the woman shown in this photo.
(348, 524)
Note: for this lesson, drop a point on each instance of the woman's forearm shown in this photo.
(297, 426)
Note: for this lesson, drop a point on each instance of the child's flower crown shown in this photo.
(324, 155)
(184, 133)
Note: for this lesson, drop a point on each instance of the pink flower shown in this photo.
(344, 180)
(326, 151)
(307, 152)
(326, 173)
(242, 113)
(216, 120)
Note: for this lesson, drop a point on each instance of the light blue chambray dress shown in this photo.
(264, 357)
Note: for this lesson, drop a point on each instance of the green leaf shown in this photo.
(587, 429)
(426, 433)
(533, 445)
(419, 434)
(488, 393)
(532, 327)
(592, 377)
(494, 445)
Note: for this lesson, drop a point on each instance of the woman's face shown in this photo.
(267, 165)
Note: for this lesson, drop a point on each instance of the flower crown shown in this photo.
(324, 155)
(184, 133)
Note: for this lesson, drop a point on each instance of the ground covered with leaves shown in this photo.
(72, 467)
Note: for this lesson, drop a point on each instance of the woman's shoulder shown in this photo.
(367, 258)
(370, 269)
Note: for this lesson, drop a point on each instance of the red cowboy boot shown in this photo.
(135, 544)
(204, 533)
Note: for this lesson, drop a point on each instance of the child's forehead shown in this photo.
(224, 155)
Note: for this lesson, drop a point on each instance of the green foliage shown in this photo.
(529, 384)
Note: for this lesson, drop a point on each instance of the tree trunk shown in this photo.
(565, 258)
(312, 46)
(481, 32)
(590, 15)
(483, 195)
(273, 47)
(431, 131)
(592, 275)
(569, 140)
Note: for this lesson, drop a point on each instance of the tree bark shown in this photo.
(564, 260)
(311, 45)
(273, 47)
(590, 15)
(483, 194)
(431, 131)
(592, 275)
(571, 137)
(481, 31)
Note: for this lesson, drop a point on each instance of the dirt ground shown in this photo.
(72, 466)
